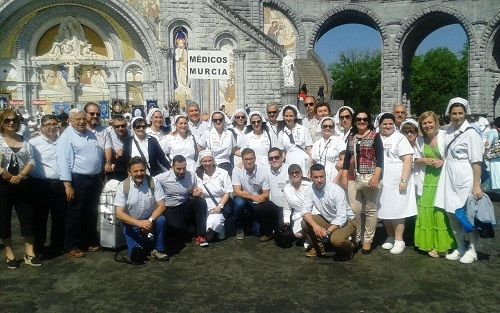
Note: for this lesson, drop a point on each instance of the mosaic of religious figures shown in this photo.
(227, 88)
(92, 81)
(148, 8)
(53, 81)
(181, 83)
(70, 43)
(278, 27)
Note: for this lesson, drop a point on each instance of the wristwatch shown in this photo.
(404, 181)
(150, 219)
(220, 206)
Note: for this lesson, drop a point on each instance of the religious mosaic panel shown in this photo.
(278, 27)
(227, 88)
(148, 8)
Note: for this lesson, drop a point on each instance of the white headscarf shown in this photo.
(294, 107)
(256, 113)
(239, 111)
(227, 121)
(150, 116)
(133, 121)
(319, 129)
(376, 124)
(410, 121)
(204, 153)
(176, 118)
(458, 100)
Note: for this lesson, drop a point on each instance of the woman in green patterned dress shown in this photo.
(432, 229)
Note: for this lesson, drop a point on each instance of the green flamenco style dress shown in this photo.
(432, 228)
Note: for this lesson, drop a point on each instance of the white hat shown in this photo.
(409, 121)
(294, 107)
(227, 121)
(324, 119)
(458, 100)
(239, 111)
(204, 153)
(150, 116)
(256, 113)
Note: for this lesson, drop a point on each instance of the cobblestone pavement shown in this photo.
(249, 276)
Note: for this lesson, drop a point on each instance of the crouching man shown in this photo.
(335, 221)
(140, 204)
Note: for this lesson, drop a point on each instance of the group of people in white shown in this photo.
(325, 178)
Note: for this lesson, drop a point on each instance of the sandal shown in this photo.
(433, 254)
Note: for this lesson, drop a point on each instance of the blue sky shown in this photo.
(360, 37)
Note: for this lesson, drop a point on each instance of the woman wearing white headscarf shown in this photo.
(181, 142)
(220, 140)
(343, 122)
(461, 174)
(238, 123)
(295, 137)
(326, 150)
(259, 138)
(155, 121)
(216, 187)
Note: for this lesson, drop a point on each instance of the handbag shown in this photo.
(284, 238)
(362, 180)
(493, 151)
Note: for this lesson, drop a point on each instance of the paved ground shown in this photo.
(249, 276)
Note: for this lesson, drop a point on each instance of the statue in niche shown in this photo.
(181, 83)
(287, 66)
(70, 43)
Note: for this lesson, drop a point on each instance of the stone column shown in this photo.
(391, 76)
(167, 88)
(240, 78)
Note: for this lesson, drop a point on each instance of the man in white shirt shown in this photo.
(140, 203)
(49, 190)
(278, 177)
(196, 125)
(251, 194)
(93, 116)
(183, 200)
(400, 114)
(335, 221)
(272, 111)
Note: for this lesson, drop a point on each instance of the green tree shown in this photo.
(436, 77)
(356, 78)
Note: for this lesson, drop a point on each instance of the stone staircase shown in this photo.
(313, 73)
(246, 27)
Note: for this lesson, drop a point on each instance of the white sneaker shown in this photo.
(469, 257)
(388, 244)
(399, 247)
(453, 256)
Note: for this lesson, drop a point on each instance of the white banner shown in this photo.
(204, 64)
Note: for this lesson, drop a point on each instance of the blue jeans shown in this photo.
(263, 213)
(135, 237)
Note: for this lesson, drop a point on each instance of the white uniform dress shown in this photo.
(174, 145)
(219, 184)
(455, 182)
(260, 144)
(296, 152)
(326, 152)
(221, 145)
(394, 204)
(294, 202)
(159, 135)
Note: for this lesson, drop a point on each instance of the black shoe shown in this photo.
(12, 264)
(366, 251)
(32, 260)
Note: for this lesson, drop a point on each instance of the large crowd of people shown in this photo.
(326, 179)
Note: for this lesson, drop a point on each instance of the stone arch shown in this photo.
(490, 40)
(184, 23)
(294, 19)
(126, 65)
(416, 29)
(347, 14)
(118, 14)
(222, 33)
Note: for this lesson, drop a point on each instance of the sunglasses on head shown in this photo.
(217, 120)
(143, 126)
(94, 114)
(274, 158)
(361, 119)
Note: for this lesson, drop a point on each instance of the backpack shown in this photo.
(126, 186)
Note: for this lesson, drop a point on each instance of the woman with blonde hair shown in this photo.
(432, 228)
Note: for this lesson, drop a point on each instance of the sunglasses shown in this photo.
(240, 117)
(256, 122)
(361, 119)
(217, 120)
(274, 158)
(140, 126)
(345, 117)
(10, 120)
(94, 114)
(410, 132)
(120, 126)
(325, 126)
(292, 173)
(51, 125)
(309, 104)
(272, 112)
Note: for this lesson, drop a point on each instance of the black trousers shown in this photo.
(81, 214)
(178, 217)
(50, 197)
(19, 197)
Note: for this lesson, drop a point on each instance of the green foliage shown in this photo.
(356, 79)
(436, 77)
